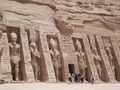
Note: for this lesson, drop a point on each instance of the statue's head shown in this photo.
(33, 44)
(0, 33)
(13, 36)
(53, 43)
(2, 28)
(94, 49)
(78, 44)
(108, 50)
(33, 37)
(1, 15)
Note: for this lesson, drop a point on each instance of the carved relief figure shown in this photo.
(110, 58)
(81, 59)
(55, 57)
(1, 51)
(1, 47)
(1, 15)
(15, 55)
(107, 44)
(35, 57)
(97, 61)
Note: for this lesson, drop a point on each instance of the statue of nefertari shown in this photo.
(55, 57)
(81, 59)
(110, 58)
(35, 55)
(97, 61)
(14, 55)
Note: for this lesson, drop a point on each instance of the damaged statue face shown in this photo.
(13, 37)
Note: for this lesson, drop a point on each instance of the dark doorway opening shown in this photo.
(71, 68)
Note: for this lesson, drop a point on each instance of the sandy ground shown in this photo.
(58, 86)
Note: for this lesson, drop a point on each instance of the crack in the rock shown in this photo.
(37, 3)
(20, 13)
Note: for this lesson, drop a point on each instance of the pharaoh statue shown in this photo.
(55, 57)
(35, 55)
(14, 55)
(97, 61)
(81, 59)
(110, 58)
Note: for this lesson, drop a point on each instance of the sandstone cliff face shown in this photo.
(71, 13)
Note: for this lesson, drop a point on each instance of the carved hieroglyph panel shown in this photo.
(47, 59)
(26, 56)
(5, 61)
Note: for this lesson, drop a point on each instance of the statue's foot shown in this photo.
(2, 81)
(85, 81)
(37, 81)
(67, 81)
(57, 81)
(101, 81)
(15, 81)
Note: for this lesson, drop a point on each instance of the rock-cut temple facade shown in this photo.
(47, 40)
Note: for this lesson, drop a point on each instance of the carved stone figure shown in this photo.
(35, 57)
(55, 57)
(15, 55)
(1, 48)
(1, 15)
(81, 59)
(97, 61)
(110, 58)
(1, 51)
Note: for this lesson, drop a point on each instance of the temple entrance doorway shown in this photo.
(71, 68)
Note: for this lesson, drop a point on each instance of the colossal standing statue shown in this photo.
(15, 55)
(35, 59)
(55, 57)
(97, 61)
(81, 59)
(110, 58)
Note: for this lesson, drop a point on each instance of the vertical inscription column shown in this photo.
(116, 51)
(90, 59)
(108, 72)
(47, 59)
(26, 55)
(64, 57)
(92, 40)
(5, 61)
